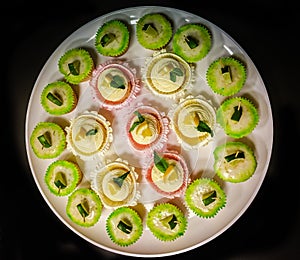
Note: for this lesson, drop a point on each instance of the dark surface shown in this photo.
(270, 227)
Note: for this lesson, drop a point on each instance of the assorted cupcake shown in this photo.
(76, 65)
(168, 75)
(124, 226)
(58, 98)
(114, 84)
(226, 75)
(84, 207)
(194, 120)
(168, 174)
(234, 161)
(166, 222)
(89, 135)
(147, 128)
(238, 116)
(192, 42)
(112, 38)
(205, 197)
(116, 183)
(48, 140)
(62, 177)
(154, 31)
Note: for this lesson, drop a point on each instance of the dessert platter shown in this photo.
(149, 133)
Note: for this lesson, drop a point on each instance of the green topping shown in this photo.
(226, 73)
(45, 140)
(83, 208)
(54, 99)
(170, 221)
(209, 197)
(125, 227)
(150, 29)
(91, 132)
(175, 72)
(141, 119)
(74, 67)
(237, 155)
(117, 82)
(203, 127)
(60, 180)
(192, 42)
(160, 163)
(119, 180)
(238, 110)
(107, 39)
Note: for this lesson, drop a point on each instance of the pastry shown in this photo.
(76, 65)
(62, 177)
(192, 42)
(112, 38)
(234, 161)
(48, 140)
(237, 116)
(226, 76)
(58, 98)
(124, 226)
(154, 31)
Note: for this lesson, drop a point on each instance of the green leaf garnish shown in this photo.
(160, 163)
(74, 67)
(107, 39)
(125, 227)
(83, 208)
(54, 99)
(175, 72)
(150, 29)
(192, 42)
(203, 127)
(226, 73)
(119, 180)
(233, 156)
(141, 119)
(91, 132)
(117, 82)
(209, 197)
(238, 110)
(170, 221)
(60, 180)
(45, 140)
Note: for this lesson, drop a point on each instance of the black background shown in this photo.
(270, 227)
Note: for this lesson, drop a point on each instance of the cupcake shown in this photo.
(58, 98)
(76, 65)
(48, 140)
(192, 42)
(116, 184)
(193, 119)
(84, 207)
(167, 75)
(234, 162)
(62, 177)
(114, 84)
(166, 222)
(154, 31)
(205, 197)
(124, 226)
(226, 76)
(237, 116)
(168, 174)
(89, 134)
(147, 128)
(112, 38)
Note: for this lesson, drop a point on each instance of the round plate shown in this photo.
(239, 196)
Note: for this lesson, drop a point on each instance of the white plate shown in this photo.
(239, 196)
